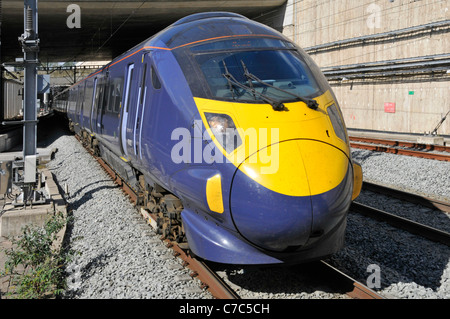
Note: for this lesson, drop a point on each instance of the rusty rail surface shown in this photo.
(439, 148)
(399, 151)
(416, 150)
(200, 270)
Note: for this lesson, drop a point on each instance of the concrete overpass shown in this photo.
(108, 28)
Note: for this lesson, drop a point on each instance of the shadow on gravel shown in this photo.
(405, 260)
(76, 275)
(88, 195)
(75, 194)
(278, 281)
(400, 256)
(360, 155)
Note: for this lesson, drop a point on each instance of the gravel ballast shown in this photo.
(410, 266)
(119, 255)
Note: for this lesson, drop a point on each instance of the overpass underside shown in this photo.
(108, 28)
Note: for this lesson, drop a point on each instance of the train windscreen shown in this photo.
(247, 70)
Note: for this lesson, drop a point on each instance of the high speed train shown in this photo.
(231, 135)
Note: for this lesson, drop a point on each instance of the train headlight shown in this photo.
(337, 122)
(224, 130)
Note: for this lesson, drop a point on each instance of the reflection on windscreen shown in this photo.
(282, 69)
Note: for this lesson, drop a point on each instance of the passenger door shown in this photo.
(141, 102)
(103, 104)
(148, 100)
(96, 108)
(126, 108)
(93, 106)
(79, 106)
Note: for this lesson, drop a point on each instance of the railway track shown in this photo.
(353, 288)
(209, 279)
(425, 231)
(412, 198)
(199, 269)
(402, 148)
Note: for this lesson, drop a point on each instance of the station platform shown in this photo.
(44, 155)
(10, 139)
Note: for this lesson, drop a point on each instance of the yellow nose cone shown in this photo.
(297, 167)
(357, 180)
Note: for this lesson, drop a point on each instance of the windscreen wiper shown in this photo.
(228, 76)
(277, 105)
(312, 104)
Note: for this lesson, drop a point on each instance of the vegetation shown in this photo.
(35, 264)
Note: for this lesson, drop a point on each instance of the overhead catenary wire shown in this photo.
(120, 26)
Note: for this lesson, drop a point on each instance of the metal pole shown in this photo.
(1, 68)
(30, 48)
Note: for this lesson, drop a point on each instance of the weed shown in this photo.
(35, 264)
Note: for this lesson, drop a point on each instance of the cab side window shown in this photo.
(155, 79)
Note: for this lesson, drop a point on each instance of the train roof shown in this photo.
(207, 15)
(209, 26)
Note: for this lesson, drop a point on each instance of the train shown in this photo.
(11, 103)
(231, 135)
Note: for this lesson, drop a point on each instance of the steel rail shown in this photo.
(355, 289)
(211, 281)
(200, 270)
(412, 198)
(403, 223)
(375, 148)
(428, 147)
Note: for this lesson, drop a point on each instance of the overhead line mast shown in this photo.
(30, 48)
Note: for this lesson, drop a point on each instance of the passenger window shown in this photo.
(117, 94)
(109, 97)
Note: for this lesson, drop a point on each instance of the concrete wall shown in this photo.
(418, 106)
(420, 100)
